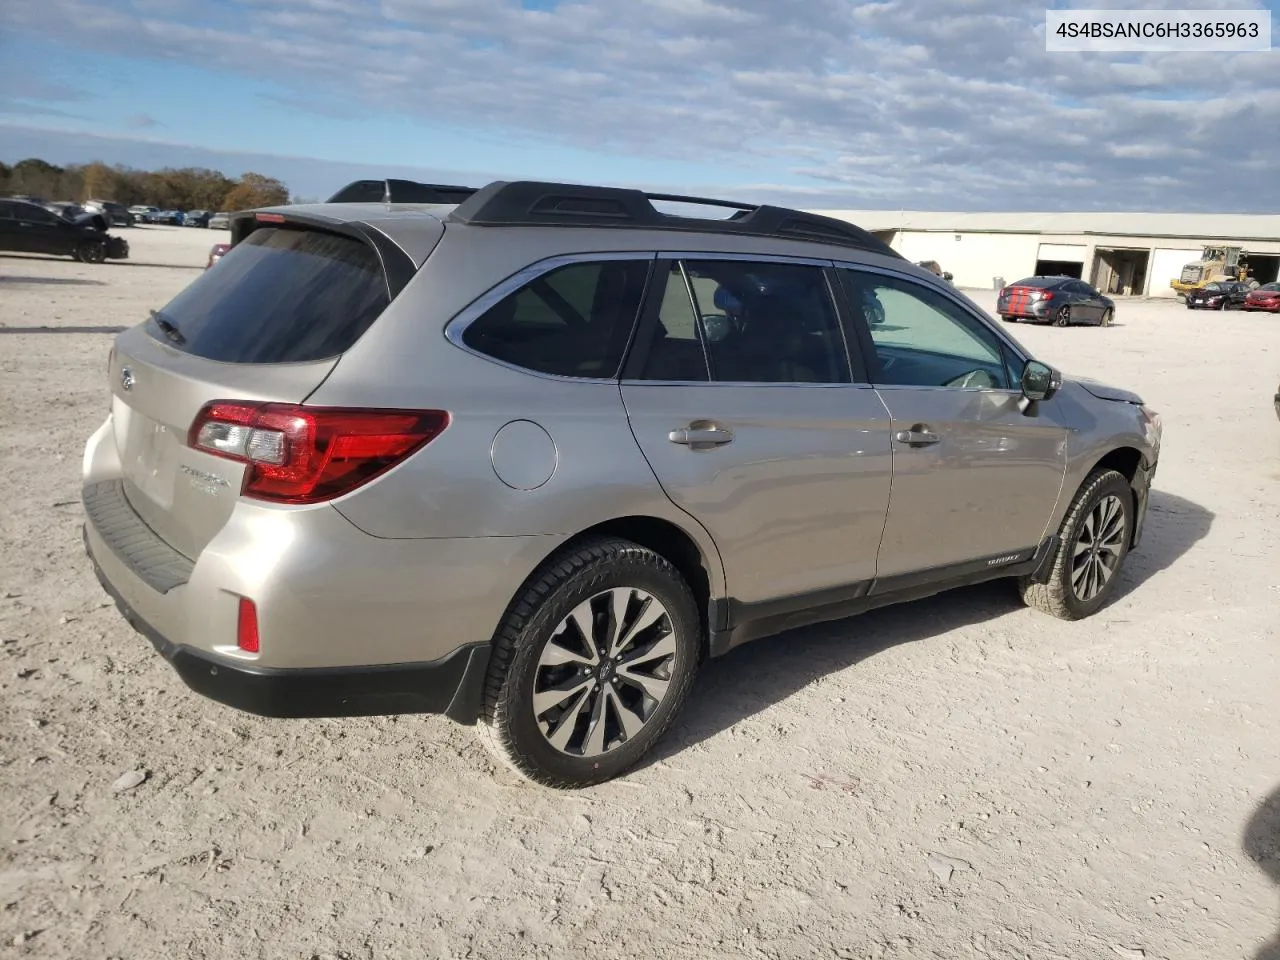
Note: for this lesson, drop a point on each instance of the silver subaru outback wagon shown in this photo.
(527, 455)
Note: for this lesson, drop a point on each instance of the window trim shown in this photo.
(633, 367)
(1010, 346)
(457, 327)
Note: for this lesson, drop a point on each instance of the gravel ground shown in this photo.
(955, 778)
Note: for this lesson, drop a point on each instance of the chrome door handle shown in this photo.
(916, 437)
(703, 436)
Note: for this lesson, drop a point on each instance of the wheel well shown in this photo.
(668, 540)
(1123, 460)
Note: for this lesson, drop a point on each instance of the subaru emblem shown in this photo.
(126, 379)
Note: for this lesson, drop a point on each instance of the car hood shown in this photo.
(96, 221)
(1106, 392)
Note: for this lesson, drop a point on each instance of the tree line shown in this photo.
(190, 188)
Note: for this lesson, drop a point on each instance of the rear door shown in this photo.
(268, 324)
(1088, 304)
(740, 394)
(974, 477)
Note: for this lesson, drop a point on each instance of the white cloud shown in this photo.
(909, 103)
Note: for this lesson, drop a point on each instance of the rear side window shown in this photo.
(282, 295)
(573, 321)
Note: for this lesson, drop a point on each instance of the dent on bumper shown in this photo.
(453, 685)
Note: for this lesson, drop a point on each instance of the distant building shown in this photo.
(1124, 254)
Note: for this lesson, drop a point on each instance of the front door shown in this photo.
(741, 397)
(974, 477)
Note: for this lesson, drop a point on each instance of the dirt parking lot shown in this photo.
(956, 778)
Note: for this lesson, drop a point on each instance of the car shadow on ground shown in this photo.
(1262, 844)
(52, 281)
(110, 263)
(767, 671)
(63, 329)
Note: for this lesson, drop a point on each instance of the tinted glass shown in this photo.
(924, 339)
(1215, 286)
(572, 322)
(1270, 286)
(280, 296)
(676, 351)
(767, 322)
(1045, 282)
(33, 214)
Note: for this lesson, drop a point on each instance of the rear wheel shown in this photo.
(1063, 317)
(91, 251)
(1092, 547)
(591, 664)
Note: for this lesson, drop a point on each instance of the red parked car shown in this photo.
(216, 254)
(1266, 297)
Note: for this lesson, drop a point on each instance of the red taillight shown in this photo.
(1004, 291)
(299, 454)
(269, 217)
(1046, 295)
(247, 627)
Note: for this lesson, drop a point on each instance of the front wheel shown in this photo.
(1093, 543)
(1107, 316)
(91, 251)
(592, 663)
(1063, 317)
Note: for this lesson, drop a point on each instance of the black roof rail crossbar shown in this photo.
(400, 191)
(534, 203)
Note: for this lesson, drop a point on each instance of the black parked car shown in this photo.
(1058, 300)
(1218, 295)
(197, 218)
(30, 228)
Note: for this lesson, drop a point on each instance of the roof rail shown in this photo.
(400, 191)
(533, 203)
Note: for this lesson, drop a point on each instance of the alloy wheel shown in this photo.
(1098, 548)
(604, 671)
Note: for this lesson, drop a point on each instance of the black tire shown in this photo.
(1058, 597)
(1107, 316)
(571, 578)
(91, 251)
(1063, 317)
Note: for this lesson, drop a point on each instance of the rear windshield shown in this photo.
(282, 295)
(1039, 282)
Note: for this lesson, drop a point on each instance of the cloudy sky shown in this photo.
(914, 104)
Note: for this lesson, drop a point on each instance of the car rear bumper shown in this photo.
(1036, 310)
(452, 685)
(349, 622)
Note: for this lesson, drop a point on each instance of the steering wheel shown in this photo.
(974, 379)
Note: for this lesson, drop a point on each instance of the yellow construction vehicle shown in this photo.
(1215, 263)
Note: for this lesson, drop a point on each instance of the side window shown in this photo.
(6, 210)
(767, 322)
(923, 339)
(574, 321)
(676, 352)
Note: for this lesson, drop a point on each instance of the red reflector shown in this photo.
(269, 217)
(297, 454)
(247, 627)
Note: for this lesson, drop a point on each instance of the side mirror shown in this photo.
(1039, 381)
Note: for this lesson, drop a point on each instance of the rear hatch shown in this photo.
(268, 325)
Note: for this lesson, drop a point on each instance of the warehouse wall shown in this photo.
(1167, 265)
(976, 257)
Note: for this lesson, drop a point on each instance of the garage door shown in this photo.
(1167, 265)
(1064, 252)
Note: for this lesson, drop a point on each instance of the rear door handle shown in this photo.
(701, 436)
(917, 436)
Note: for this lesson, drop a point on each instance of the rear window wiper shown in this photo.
(168, 327)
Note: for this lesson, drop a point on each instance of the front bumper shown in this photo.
(453, 685)
(1142, 478)
(1273, 307)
